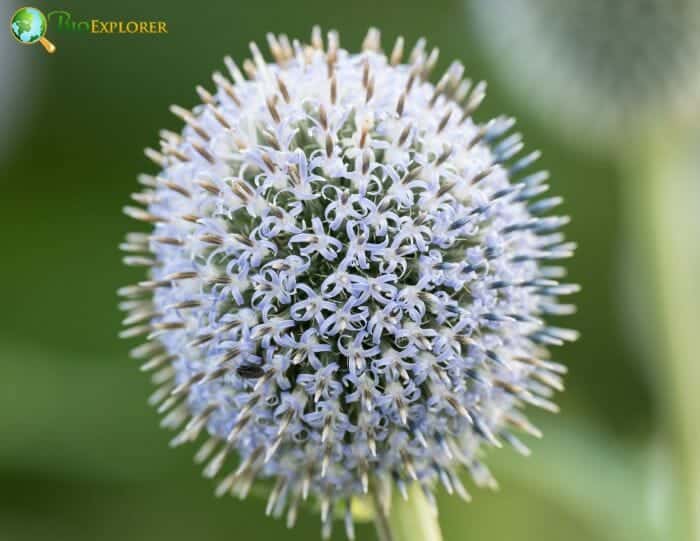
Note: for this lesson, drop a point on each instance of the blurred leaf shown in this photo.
(83, 418)
(43, 507)
(595, 477)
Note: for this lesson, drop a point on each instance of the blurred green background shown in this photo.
(81, 454)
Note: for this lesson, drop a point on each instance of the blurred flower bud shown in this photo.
(597, 69)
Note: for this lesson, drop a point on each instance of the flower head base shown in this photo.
(347, 275)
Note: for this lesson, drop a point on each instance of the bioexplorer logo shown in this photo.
(29, 25)
(64, 22)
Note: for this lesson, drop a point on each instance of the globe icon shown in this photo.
(28, 25)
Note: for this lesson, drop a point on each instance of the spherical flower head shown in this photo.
(348, 275)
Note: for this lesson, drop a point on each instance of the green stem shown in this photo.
(412, 519)
(663, 191)
(381, 518)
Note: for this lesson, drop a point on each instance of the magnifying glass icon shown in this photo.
(28, 26)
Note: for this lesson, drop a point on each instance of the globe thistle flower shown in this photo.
(347, 276)
(599, 68)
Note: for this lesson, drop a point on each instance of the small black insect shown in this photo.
(250, 371)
